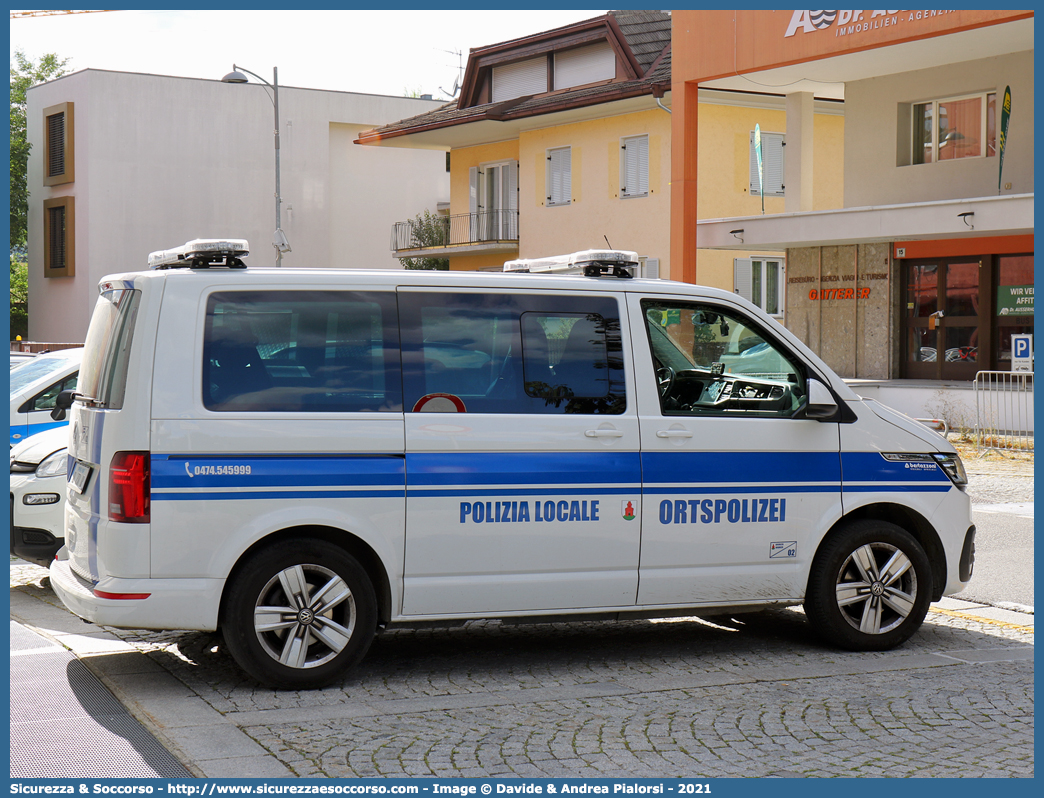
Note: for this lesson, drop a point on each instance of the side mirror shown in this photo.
(821, 402)
(62, 403)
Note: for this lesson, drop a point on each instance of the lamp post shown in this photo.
(236, 76)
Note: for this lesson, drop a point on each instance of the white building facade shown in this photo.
(123, 164)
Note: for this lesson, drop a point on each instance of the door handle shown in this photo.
(673, 433)
(604, 433)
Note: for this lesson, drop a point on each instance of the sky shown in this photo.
(372, 52)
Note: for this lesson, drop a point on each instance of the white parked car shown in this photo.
(34, 387)
(38, 475)
(18, 358)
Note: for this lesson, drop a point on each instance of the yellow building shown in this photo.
(561, 141)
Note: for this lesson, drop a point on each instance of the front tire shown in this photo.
(299, 614)
(869, 587)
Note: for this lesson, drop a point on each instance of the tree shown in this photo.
(24, 75)
(19, 294)
(428, 230)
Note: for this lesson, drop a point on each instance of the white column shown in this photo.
(797, 175)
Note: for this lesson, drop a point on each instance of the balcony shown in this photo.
(463, 234)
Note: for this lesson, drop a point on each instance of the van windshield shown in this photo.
(103, 376)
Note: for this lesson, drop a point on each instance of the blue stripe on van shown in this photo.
(206, 495)
(872, 467)
(523, 468)
(738, 468)
(184, 478)
(257, 471)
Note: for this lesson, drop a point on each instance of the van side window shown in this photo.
(512, 353)
(301, 351)
(713, 361)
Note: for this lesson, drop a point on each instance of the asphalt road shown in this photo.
(1003, 559)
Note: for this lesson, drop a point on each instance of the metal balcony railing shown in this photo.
(455, 231)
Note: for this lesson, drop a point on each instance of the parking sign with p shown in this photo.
(1021, 352)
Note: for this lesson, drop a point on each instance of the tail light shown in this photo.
(129, 487)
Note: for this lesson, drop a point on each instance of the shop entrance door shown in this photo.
(946, 326)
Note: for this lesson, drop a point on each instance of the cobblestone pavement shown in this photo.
(747, 695)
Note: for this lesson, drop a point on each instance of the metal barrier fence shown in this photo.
(1004, 410)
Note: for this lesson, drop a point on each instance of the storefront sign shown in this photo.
(1021, 352)
(831, 294)
(828, 294)
(1015, 300)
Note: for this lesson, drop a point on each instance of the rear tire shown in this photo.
(869, 587)
(299, 614)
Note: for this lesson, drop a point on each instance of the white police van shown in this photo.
(303, 457)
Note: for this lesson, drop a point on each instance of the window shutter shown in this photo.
(584, 65)
(560, 177)
(56, 237)
(520, 79)
(742, 277)
(773, 146)
(634, 177)
(509, 201)
(473, 202)
(56, 145)
(58, 155)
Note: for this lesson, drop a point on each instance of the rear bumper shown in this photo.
(170, 603)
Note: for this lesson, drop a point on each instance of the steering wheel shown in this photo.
(664, 380)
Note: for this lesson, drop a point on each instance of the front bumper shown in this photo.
(37, 530)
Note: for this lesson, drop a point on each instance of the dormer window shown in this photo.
(583, 65)
(520, 79)
(579, 66)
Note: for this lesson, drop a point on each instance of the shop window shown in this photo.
(773, 146)
(1014, 300)
(58, 144)
(59, 237)
(760, 280)
(954, 128)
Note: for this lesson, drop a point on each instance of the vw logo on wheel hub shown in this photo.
(877, 589)
(305, 617)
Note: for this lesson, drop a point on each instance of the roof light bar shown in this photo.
(589, 262)
(202, 253)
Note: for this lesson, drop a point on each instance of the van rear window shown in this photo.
(301, 351)
(106, 351)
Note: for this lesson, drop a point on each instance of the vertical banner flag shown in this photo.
(1005, 113)
(761, 171)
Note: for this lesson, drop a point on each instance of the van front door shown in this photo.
(522, 448)
(738, 486)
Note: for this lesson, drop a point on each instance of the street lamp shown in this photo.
(236, 76)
